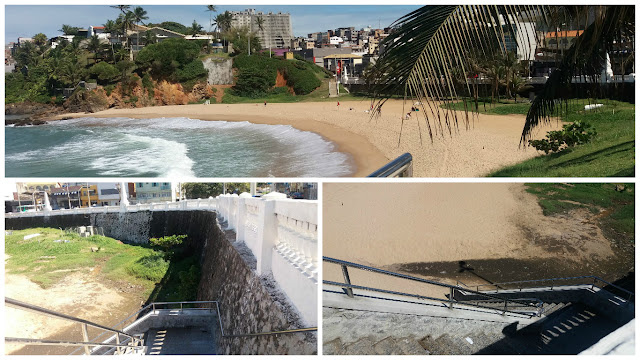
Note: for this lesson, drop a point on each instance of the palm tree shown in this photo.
(94, 46)
(260, 23)
(40, 39)
(223, 22)
(195, 29)
(424, 46)
(211, 9)
(68, 30)
(139, 14)
(111, 28)
(510, 63)
(123, 9)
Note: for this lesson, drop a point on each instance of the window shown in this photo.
(154, 184)
(139, 185)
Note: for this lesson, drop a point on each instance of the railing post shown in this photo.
(85, 338)
(593, 282)
(505, 307)
(345, 273)
(118, 350)
(451, 298)
(551, 284)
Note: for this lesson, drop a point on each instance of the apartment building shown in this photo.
(276, 30)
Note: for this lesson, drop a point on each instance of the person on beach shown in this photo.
(265, 103)
(338, 105)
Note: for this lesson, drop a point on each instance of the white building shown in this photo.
(99, 31)
(276, 31)
(108, 194)
(336, 40)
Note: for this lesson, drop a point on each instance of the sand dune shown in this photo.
(490, 143)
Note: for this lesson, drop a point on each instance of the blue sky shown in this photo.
(27, 20)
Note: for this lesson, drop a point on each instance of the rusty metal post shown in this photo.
(345, 273)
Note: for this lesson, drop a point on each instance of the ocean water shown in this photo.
(167, 147)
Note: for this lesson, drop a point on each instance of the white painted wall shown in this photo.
(282, 234)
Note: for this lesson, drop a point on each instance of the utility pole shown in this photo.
(88, 195)
(69, 195)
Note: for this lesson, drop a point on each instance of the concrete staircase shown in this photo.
(333, 90)
(180, 341)
(574, 319)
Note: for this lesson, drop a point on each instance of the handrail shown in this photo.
(537, 304)
(552, 280)
(51, 313)
(84, 323)
(153, 306)
(117, 345)
(402, 166)
(65, 343)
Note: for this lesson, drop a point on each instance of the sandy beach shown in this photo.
(491, 142)
(426, 229)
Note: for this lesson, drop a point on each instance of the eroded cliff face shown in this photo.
(248, 303)
(134, 95)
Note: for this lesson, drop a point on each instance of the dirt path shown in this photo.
(497, 230)
(79, 294)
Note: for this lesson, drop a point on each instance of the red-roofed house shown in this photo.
(98, 30)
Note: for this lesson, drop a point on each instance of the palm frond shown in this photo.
(429, 46)
(584, 60)
(431, 52)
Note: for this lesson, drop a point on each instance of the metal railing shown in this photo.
(402, 166)
(556, 282)
(529, 307)
(135, 341)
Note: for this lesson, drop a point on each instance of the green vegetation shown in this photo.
(614, 201)
(173, 60)
(576, 133)
(205, 190)
(257, 76)
(46, 261)
(485, 106)
(610, 153)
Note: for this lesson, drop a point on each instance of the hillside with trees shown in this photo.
(167, 72)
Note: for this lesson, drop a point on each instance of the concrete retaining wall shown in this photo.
(248, 303)
(220, 71)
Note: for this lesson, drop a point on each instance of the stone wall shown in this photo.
(220, 71)
(248, 303)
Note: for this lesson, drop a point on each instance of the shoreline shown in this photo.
(364, 158)
(489, 143)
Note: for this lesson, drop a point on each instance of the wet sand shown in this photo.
(489, 144)
(496, 230)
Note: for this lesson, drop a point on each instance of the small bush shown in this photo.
(104, 72)
(151, 267)
(192, 70)
(167, 242)
(572, 134)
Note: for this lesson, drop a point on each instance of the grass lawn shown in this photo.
(610, 153)
(615, 201)
(45, 262)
